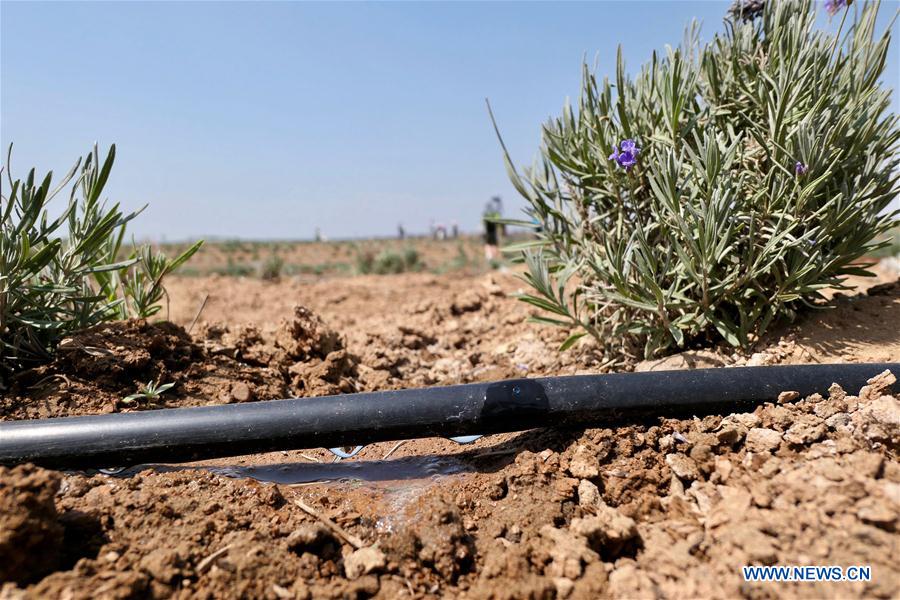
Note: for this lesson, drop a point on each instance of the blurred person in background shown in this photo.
(493, 210)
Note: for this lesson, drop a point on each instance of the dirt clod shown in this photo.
(879, 419)
(584, 463)
(683, 466)
(608, 531)
(364, 561)
(314, 538)
(761, 439)
(785, 397)
(569, 552)
(805, 430)
(31, 536)
(240, 392)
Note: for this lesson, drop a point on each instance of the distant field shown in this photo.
(894, 249)
(269, 259)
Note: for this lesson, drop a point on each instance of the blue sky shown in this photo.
(267, 120)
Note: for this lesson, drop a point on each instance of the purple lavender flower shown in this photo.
(800, 168)
(833, 6)
(625, 154)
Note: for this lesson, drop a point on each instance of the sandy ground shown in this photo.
(665, 508)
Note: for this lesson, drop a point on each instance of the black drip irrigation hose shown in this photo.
(188, 434)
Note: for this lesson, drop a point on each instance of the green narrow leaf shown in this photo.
(570, 341)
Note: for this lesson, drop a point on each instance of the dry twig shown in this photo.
(394, 449)
(337, 529)
(204, 564)
(200, 310)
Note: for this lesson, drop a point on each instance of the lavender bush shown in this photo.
(62, 274)
(721, 188)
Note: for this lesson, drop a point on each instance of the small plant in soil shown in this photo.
(151, 391)
(389, 261)
(59, 274)
(719, 189)
(272, 268)
(235, 269)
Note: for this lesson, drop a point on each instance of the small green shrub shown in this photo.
(235, 269)
(747, 175)
(365, 259)
(59, 275)
(388, 261)
(411, 259)
(272, 268)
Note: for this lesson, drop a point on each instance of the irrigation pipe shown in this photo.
(187, 434)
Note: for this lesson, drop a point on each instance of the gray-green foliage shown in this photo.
(59, 275)
(151, 391)
(714, 230)
(389, 261)
(272, 268)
